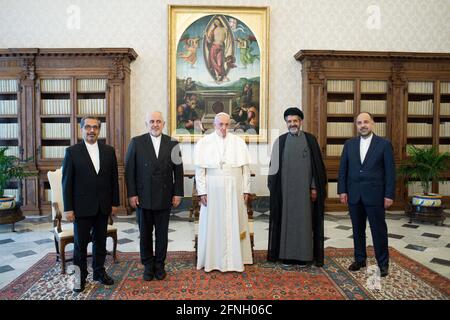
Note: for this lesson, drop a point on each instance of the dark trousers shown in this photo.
(376, 214)
(82, 236)
(147, 220)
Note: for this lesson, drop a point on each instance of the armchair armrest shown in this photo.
(58, 217)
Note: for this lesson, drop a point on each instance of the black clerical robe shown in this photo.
(276, 200)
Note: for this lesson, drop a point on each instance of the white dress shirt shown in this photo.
(364, 144)
(156, 143)
(94, 154)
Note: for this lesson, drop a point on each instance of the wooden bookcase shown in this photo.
(10, 123)
(45, 94)
(408, 94)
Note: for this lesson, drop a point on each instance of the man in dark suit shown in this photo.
(90, 193)
(367, 184)
(154, 177)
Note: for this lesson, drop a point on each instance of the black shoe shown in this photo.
(319, 264)
(81, 288)
(160, 274)
(103, 278)
(302, 264)
(384, 271)
(148, 273)
(355, 266)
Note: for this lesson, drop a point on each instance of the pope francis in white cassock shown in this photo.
(222, 176)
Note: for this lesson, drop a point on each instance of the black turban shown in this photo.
(293, 111)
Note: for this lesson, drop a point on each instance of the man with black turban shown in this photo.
(297, 180)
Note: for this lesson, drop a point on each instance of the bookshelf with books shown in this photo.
(343, 99)
(10, 125)
(9, 115)
(16, 120)
(56, 89)
(91, 97)
(54, 126)
(407, 93)
(420, 109)
(444, 116)
(374, 99)
(340, 103)
(91, 101)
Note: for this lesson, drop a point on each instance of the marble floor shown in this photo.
(33, 239)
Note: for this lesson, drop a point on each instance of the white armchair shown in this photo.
(64, 236)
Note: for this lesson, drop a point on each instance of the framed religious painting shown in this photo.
(218, 62)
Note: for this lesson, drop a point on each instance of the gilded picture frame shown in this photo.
(218, 62)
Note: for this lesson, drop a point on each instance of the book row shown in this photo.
(341, 107)
(373, 106)
(419, 130)
(91, 85)
(9, 130)
(55, 85)
(444, 129)
(55, 106)
(91, 106)
(56, 130)
(340, 85)
(420, 87)
(8, 86)
(53, 151)
(422, 108)
(339, 129)
(8, 107)
(334, 150)
(373, 86)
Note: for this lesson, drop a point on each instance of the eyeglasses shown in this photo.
(89, 127)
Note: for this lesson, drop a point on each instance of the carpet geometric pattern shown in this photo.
(261, 281)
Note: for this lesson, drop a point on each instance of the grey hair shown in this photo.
(149, 114)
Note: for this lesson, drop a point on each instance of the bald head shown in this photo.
(365, 124)
(222, 123)
(155, 123)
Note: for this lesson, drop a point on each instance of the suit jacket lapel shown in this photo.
(86, 154)
(151, 148)
(357, 147)
(372, 147)
(101, 156)
(163, 147)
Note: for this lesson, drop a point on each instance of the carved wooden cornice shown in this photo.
(387, 55)
(29, 66)
(316, 71)
(19, 53)
(398, 76)
(127, 53)
(121, 58)
(119, 69)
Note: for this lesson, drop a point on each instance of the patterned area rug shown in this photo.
(263, 280)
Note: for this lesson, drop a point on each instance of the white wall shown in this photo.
(412, 25)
